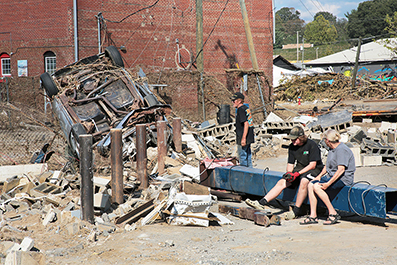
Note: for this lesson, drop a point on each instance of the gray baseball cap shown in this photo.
(295, 133)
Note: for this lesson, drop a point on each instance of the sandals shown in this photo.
(309, 220)
(254, 204)
(332, 219)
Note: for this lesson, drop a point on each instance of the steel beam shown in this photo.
(363, 199)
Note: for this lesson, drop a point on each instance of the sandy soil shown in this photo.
(355, 240)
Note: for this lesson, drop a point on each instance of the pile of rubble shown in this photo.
(333, 86)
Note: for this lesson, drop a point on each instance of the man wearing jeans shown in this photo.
(244, 130)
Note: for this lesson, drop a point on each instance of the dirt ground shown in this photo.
(355, 240)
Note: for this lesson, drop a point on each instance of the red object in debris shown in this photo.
(299, 100)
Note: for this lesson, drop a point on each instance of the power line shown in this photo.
(134, 13)
(306, 8)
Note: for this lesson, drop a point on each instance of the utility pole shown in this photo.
(199, 54)
(252, 50)
(248, 35)
(303, 53)
(297, 46)
(356, 64)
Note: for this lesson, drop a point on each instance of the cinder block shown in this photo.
(73, 228)
(102, 201)
(357, 155)
(27, 244)
(344, 138)
(371, 160)
(50, 217)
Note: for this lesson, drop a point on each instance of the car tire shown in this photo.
(151, 100)
(114, 55)
(49, 85)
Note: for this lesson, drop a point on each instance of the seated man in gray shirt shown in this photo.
(337, 173)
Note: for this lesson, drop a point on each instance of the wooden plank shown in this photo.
(260, 217)
(135, 212)
(242, 212)
(226, 195)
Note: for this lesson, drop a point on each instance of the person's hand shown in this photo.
(290, 177)
(324, 186)
(243, 142)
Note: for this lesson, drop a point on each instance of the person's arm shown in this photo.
(322, 173)
(338, 173)
(245, 133)
(290, 167)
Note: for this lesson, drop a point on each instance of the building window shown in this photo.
(5, 65)
(50, 62)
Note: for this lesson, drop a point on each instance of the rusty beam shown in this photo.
(116, 153)
(161, 146)
(86, 190)
(141, 155)
(177, 134)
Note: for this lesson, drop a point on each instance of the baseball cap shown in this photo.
(295, 132)
(237, 95)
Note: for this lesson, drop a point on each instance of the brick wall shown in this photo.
(149, 35)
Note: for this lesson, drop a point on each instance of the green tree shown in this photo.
(320, 31)
(368, 20)
(288, 22)
(391, 22)
(327, 15)
(341, 28)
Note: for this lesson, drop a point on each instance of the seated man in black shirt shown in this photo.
(304, 164)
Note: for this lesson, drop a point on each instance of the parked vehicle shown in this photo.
(96, 94)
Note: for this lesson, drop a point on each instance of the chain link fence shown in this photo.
(24, 132)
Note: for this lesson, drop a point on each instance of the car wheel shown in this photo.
(49, 85)
(114, 55)
(151, 100)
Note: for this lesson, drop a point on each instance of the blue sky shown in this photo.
(308, 8)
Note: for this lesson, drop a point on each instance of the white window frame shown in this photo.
(53, 63)
(2, 66)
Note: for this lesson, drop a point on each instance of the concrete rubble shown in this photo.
(175, 197)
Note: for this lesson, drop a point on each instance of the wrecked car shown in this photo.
(96, 94)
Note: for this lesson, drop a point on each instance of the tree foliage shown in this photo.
(391, 22)
(327, 15)
(368, 20)
(288, 22)
(320, 31)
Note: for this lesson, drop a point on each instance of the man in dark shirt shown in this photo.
(304, 164)
(244, 130)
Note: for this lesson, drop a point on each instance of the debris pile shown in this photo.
(333, 86)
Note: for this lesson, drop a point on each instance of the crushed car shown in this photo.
(96, 94)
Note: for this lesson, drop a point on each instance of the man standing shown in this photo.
(244, 130)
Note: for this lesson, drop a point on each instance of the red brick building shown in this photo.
(157, 35)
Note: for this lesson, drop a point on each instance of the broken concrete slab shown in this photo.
(25, 258)
(339, 121)
(49, 218)
(191, 171)
(99, 181)
(10, 183)
(17, 170)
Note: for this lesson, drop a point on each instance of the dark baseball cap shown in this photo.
(237, 95)
(295, 133)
